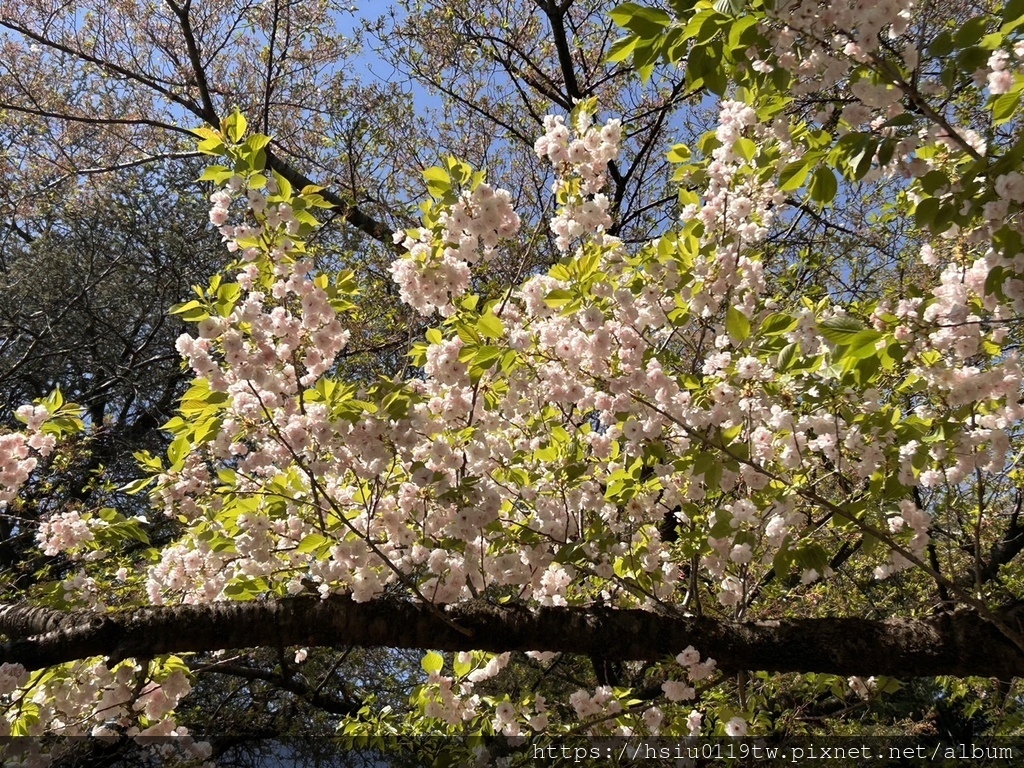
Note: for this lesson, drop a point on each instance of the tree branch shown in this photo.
(291, 684)
(347, 210)
(1008, 547)
(145, 160)
(950, 644)
(109, 66)
(94, 119)
(556, 17)
(209, 112)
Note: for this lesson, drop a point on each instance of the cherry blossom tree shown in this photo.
(668, 460)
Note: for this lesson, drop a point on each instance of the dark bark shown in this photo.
(291, 684)
(952, 644)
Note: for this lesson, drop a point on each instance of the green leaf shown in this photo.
(941, 46)
(708, 143)
(136, 486)
(645, 22)
(777, 323)
(1013, 10)
(709, 30)
(933, 181)
(1004, 105)
(715, 76)
(284, 187)
(621, 49)
(54, 400)
(793, 175)
(971, 59)
(148, 461)
(823, 185)
(557, 298)
(994, 280)
(212, 142)
(810, 555)
(926, 211)
(458, 171)
(730, 7)
(462, 668)
(469, 337)
(696, 23)
(190, 311)
(490, 326)
(744, 30)
(680, 153)
(783, 559)
(786, 357)
(178, 450)
(234, 126)
(439, 183)
(206, 132)
(216, 173)
(971, 32)
(860, 163)
(745, 148)
(737, 325)
(841, 329)
(993, 41)
(211, 147)
(256, 142)
(311, 543)
(432, 663)
(206, 430)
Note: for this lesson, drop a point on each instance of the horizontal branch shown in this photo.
(124, 165)
(94, 119)
(955, 644)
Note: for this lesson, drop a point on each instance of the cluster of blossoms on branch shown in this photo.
(581, 167)
(436, 270)
(451, 700)
(20, 451)
(90, 698)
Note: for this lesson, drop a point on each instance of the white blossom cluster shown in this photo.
(581, 166)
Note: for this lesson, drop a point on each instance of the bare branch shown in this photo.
(93, 119)
(145, 160)
(209, 112)
(109, 66)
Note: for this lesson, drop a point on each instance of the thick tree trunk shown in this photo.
(956, 644)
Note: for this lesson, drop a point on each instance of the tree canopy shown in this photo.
(664, 381)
